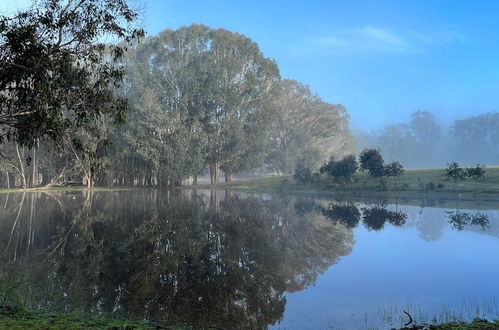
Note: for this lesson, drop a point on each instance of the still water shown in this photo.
(201, 258)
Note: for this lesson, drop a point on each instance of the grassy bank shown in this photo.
(12, 318)
(414, 184)
(421, 181)
(55, 189)
(17, 319)
(476, 324)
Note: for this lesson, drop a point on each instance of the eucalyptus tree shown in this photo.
(306, 130)
(55, 72)
(208, 94)
(242, 89)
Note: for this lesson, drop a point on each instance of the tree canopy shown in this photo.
(56, 73)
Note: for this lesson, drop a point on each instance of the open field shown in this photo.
(421, 180)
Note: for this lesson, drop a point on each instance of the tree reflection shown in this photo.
(347, 214)
(174, 257)
(459, 219)
(375, 217)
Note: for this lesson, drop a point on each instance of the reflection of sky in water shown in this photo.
(427, 268)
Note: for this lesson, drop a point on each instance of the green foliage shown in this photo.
(200, 97)
(306, 130)
(455, 173)
(476, 173)
(394, 169)
(15, 318)
(477, 324)
(56, 73)
(303, 175)
(372, 162)
(342, 170)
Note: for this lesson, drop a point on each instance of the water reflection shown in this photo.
(184, 258)
(347, 214)
(459, 219)
(218, 259)
(374, 217)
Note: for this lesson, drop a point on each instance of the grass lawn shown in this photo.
(12, 318)
(476, 324)
(427, 183)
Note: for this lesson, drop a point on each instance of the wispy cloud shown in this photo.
(369, 39)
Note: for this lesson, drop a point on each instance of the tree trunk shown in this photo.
(90, 180)
(21, 172)
(228, 177)
(8, 178)
(34, 178)
(195, 180)
(214, 173)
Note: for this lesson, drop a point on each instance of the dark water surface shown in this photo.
(216, 259)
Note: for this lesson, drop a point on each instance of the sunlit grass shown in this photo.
(420, 180)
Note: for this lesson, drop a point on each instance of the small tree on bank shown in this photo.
(303, 175)
(455, 173)
(394, 169)
(342, 170)
(476, 173)
(372, 162)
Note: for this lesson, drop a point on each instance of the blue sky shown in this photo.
(382, 59)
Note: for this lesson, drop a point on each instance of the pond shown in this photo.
(209, 258)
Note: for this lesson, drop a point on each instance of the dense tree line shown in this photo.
(197, 100)
(424, 142)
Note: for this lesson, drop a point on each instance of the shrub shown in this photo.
(342, 170)
(303, 175)
(372, 162)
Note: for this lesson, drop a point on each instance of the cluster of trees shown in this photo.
(57, 82)
(456, 173)
(424, 142)
(196, 99)
(343, 170)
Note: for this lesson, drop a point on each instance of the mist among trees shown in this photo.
(197, 101)
(424, 142)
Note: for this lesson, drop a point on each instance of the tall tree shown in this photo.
(478, 138)
(306, 129)
(212, 91)
(55, 73)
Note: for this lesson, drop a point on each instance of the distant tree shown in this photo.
(399, 142)
(476, 173)
(342, 170)
(425, 128)
(455, 173)
(394, 169)
(303, 175)
(372, 162)
(478, 137)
